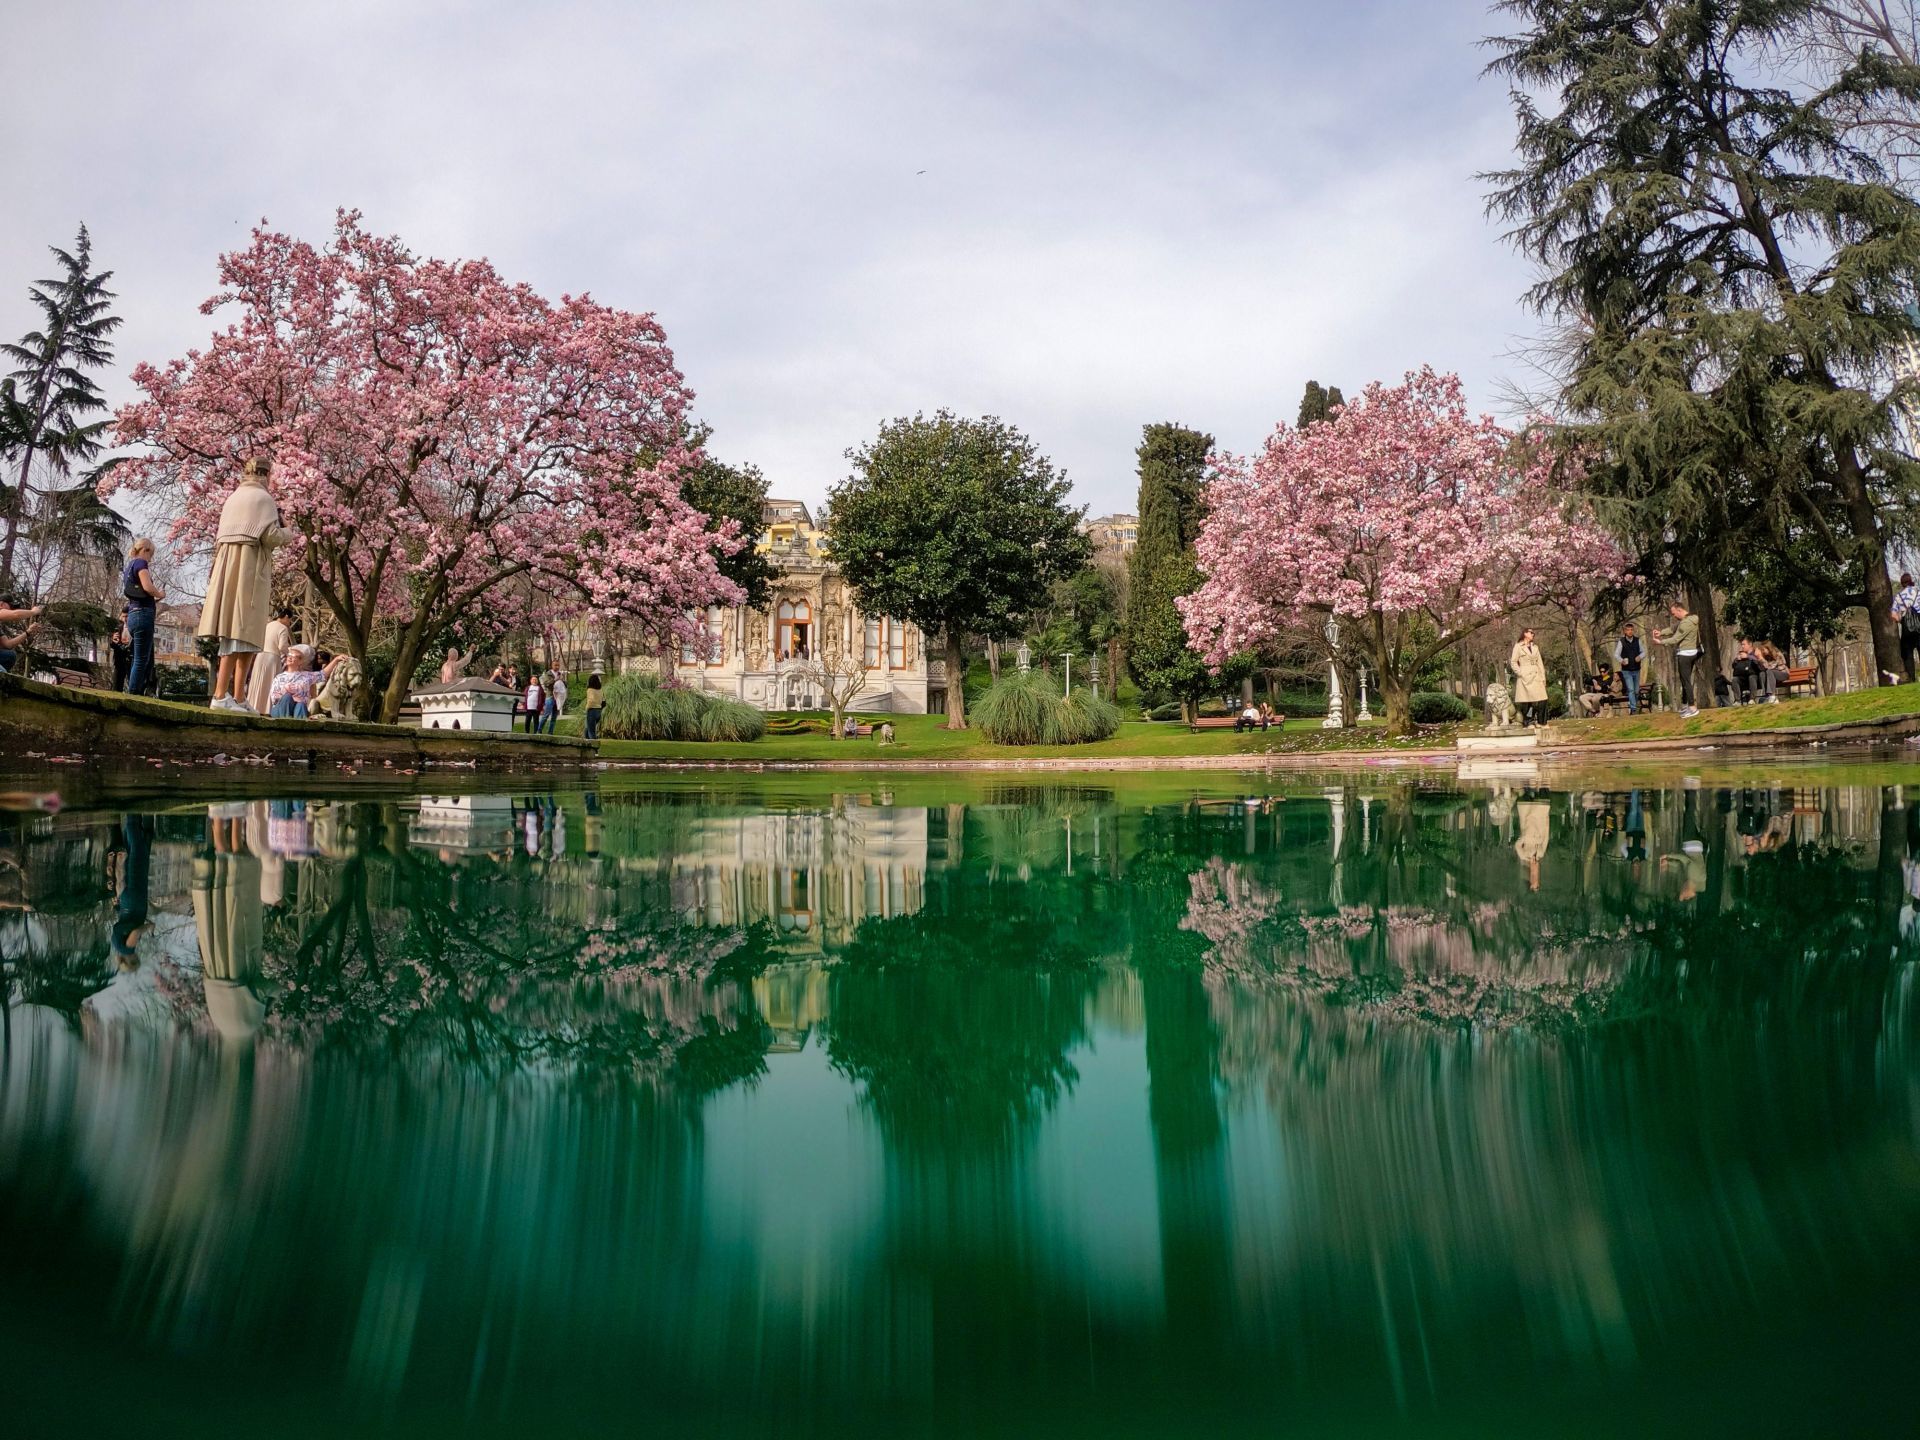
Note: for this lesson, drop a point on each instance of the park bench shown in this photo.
(1802, 677)
(1229, 722)
(79, 679)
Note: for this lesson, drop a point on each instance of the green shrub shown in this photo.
(1082, 718)
(1014, 710)
(1029, 710)
(1436, 707)
(639, 707)
(1169, 711)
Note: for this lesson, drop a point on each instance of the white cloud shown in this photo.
(1129, 212)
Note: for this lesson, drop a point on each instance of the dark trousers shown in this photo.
(1909, 648)
(140, 631)
(1751, 678)
(1684, 664)
(593, 723)
(1630, 682)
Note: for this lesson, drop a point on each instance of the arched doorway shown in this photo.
(793, 630)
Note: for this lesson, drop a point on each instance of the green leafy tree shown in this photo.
(956, 525)
(1318, 404)
(1173, 469)
(1733, 269)
(47, 399)
(725, 492)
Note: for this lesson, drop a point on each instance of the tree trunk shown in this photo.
(1113, 667)
(993, 661)
(956, 680)
(1349, 694)
(1396, 693)
(1864, 521)
(1700, 602)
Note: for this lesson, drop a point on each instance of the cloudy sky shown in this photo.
(1081, 217)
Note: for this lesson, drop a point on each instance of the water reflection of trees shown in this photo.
(1504, 1129)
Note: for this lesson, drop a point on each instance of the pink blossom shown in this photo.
(436, 433)
(1402, 508)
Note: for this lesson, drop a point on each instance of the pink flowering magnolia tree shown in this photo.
(1407, 519)
(441, 440)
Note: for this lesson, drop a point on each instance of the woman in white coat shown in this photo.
(1529, 679)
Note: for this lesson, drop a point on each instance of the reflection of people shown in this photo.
(240, 587)
(228, 921)
(130, 913)
(1536, 820)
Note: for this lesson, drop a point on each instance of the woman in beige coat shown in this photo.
(241, 586)
(272, 655)
(1529, 679)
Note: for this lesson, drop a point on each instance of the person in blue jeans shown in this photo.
(1626, 661)
(143, 598)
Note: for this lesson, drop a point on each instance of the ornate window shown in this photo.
(896, 645)
(885, 642)
(793, 630)
(874, 642)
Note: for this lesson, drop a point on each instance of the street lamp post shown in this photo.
(1365, 714)
(1068, 657)
(1333, 720)
(1023, 657)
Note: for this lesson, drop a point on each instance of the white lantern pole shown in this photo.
(1333, 720)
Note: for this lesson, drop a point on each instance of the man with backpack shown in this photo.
(1906, 609)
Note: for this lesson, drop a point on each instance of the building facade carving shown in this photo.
(767, 657)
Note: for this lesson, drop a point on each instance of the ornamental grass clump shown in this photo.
(1027, 709)
(639, 707)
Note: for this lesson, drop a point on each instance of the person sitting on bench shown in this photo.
(1600, 689)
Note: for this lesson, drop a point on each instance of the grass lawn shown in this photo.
(924, 737)
(1876, 704)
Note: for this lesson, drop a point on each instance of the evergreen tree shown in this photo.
(46, 400)
(1734, 269)
(956, 525)
(1173, 468)
(1318, 404)
(725, 492)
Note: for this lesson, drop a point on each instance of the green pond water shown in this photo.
(1394, 1103)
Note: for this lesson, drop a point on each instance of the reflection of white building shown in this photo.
(463, 824)
(763, 656)
(814, 875)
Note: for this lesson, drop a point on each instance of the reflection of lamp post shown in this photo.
(1023, 657)
(1364, 715)
(1332, 632)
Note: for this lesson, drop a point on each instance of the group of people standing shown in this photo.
(1759, 670)
(545, 698)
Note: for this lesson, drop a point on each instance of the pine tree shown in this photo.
(1733, 270)
(45, 401)
(1173, 467)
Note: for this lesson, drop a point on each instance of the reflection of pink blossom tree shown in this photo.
(437, 436)
(1398, 961)
(1404, 516)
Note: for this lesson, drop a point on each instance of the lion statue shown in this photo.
(1499, 707)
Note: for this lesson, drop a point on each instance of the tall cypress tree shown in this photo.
(1732, 269)
(1173, 467)
(1318, 404)
(46, 401)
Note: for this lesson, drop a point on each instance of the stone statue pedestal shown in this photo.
(1499, 740)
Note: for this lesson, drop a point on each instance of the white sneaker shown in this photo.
(1687, 712)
